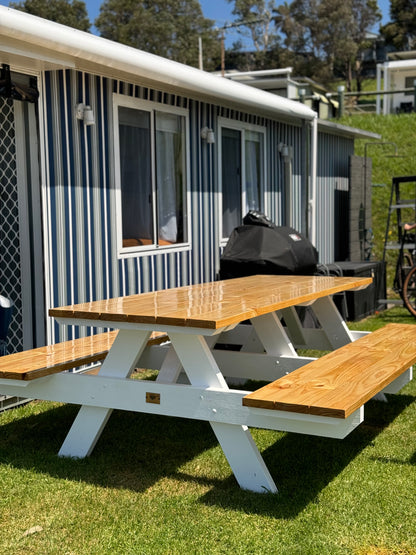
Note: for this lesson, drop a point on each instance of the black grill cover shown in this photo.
(257, 249)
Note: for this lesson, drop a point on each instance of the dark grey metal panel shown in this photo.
(332, 196)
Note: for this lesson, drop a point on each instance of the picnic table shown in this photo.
(196, 318)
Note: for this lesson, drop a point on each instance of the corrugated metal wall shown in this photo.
(80, 220)
(332, 196)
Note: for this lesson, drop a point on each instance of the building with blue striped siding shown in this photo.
(128, 171)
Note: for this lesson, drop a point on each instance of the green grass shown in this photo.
(157, 485)
(162, 485)
(398, 129)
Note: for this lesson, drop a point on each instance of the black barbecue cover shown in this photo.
(260, 249)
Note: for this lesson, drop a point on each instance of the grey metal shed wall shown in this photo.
(332, 196)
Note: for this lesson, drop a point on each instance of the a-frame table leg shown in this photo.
(90, 421)
(236, 441)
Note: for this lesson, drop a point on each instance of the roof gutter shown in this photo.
(79, 47)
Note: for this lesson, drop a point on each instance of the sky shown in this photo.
(218, 10)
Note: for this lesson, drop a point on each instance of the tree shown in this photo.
(255, 19)
(169, 28)
(320, 33)
(68, 12)
(401, 30)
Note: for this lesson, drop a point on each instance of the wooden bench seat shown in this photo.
(340, 382)
(36, 363)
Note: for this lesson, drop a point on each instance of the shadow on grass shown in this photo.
(137, 450)
(302, 466)
(134, 451)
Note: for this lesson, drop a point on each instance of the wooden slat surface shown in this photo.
(213, 305)
(36, 363)
(342, 381)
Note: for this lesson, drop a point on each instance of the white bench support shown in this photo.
(90, 421)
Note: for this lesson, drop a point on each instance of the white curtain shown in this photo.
(169, 175)
(253, 169)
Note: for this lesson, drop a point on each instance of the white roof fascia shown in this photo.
(399, 64)
(87, 49)
(260, 73)
(352, 132)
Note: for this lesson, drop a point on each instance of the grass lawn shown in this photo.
(162, 485)
(396, 130)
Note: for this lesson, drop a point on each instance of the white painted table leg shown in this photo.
(293, 325)
(90, 421)
(197, 360)
(236, 442)
(85, 432)
(170, 369)
(332, 322)
(172, 366)
(244, 458)
(273, 336)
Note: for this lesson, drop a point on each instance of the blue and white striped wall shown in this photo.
(79, 192)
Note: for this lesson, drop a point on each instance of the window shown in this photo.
(151, 141)
(242, 173)
(409, 83)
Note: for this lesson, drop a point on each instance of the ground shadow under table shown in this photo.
(302, 466)
(134, 451)
(137, 450)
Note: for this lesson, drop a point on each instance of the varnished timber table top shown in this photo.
(213, 305)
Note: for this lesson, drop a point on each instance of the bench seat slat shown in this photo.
(340, 382)
(36, 363)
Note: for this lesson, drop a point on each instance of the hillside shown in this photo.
(400, 130)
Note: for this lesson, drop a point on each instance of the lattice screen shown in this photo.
(10, 269)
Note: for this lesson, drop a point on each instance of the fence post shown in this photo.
(341, 90)
(414, 95)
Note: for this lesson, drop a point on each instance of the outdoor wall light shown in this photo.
(208, 135)
(84, 112)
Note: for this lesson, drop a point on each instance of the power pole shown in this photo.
(230, 26)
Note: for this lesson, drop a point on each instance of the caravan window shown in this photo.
(152, 175)
(242, 172)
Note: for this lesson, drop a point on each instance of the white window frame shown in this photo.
(242, 127)
(150, 107)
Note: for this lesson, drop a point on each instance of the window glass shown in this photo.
(408, 83)
(152, 199)
(231, 179)
(135, 176)
(242, 174)
(170, 177)
(254, 169)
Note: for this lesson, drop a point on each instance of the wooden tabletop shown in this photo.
(212, 305)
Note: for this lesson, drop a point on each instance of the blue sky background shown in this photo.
(218, 10)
